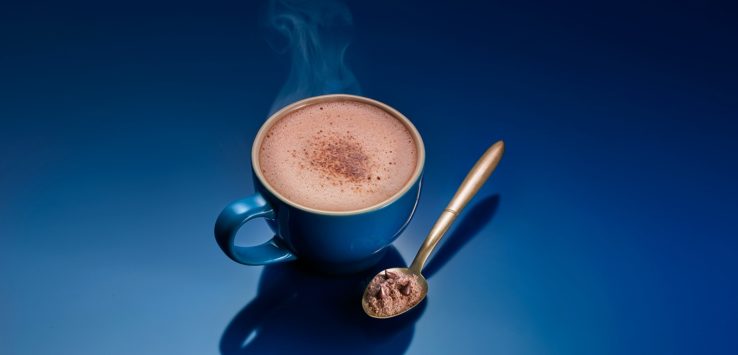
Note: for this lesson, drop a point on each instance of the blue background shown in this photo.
(609, 228)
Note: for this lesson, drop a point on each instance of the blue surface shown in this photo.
(609, 228)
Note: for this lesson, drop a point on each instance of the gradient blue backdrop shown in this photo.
(609, 228)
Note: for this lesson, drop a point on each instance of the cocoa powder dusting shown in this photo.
(340, 157)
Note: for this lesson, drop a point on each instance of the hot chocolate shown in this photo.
(338, 156)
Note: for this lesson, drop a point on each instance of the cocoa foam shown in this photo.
(338, 156)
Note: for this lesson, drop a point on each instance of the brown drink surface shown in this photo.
(338, 156)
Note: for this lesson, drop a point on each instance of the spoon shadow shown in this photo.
(297, 311)
(476, 218)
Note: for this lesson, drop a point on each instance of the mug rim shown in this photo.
(256, 147)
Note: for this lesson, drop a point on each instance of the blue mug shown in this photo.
(331, 241)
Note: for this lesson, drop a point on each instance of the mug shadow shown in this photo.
(297, 310)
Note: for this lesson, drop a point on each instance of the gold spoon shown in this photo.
(469, 187)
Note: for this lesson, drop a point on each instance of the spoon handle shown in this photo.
(469, 187)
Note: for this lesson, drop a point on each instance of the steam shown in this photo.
(315, 34)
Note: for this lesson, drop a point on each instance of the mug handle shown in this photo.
(233, 217)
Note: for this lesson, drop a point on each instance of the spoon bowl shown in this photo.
(399, 270)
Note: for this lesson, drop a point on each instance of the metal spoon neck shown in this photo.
(434, 236)
(416, 267)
